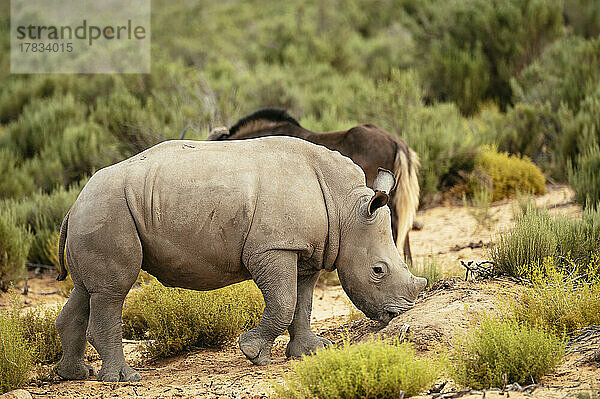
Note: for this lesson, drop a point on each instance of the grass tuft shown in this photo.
(560, 300)
(173, 320)
(16, 356)
(537, 235)
(501, 351)
(373, 369)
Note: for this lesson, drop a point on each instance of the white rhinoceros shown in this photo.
(202, 215)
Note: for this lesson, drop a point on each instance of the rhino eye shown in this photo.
(378, 269)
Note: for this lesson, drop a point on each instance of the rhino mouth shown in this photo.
(392, 311)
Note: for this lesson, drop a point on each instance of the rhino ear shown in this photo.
(218, 133)
(383, 184)
(385, 181)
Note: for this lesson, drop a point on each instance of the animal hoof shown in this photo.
(77, 371)
(126, 373)
(256, 349)
(306, 345)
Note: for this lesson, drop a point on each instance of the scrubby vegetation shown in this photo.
(28, 337)
(373, 369)
(509, 174)
(501, 351)
(490, 115)
(560, 300)
(17, 359)
(538, 236)
(173, 320)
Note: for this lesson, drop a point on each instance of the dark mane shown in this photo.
(266, 114)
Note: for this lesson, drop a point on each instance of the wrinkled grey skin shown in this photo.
(203, 215)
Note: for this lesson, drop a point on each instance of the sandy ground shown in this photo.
(435, 318)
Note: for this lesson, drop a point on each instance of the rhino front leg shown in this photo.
(275, 275)
(302, 340)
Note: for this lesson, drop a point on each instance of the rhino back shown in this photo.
(202, 209)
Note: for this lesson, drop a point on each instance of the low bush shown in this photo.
(581, 131)
(460, 62)
(537, 235)
(16, 357)
(557, 300)
(583, 17)
(13, 182)
(43, 214)
(175, 319)
(373, 369)
(509, 174)
(564, 74)
(37, 328)
(585, 178)
(14, 247)
(500, 348)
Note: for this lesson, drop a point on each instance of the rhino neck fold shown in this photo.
(332, 243)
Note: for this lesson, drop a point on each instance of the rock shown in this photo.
(16, 394)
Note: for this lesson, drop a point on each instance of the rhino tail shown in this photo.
(62, 270)
(406, 169)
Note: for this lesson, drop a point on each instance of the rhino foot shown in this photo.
(116, 374)
(75, 371)
(305, 345)
(256, 349)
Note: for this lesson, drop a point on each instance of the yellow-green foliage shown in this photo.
(37, 327)
(373, 369)
(16, 355)
(510, 174)
(538, 235)
(558, 301)
(176, 319)
(497, 347)
(14, 247)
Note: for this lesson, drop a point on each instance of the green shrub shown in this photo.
(37, 328)
(510, 174)
(446, 150)
(14, 247)
(42, 122)
(537, 235)
(43, 214)
(16, 357)
(373, 369)
(14, 183)
(583, 17)
(557, 300)
(564, 74)
(175, 319)
(461, 62)
(504, 347)
(581, 131)
(585, 178)
(530, 130)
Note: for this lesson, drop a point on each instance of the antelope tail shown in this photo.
(62, 270)
(406, 169)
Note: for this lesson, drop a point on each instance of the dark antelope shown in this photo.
(369, 146)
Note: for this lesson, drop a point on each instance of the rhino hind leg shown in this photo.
(106, 261)
(274, 272)
(303, 340)
(71, 325)
(105, 334)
